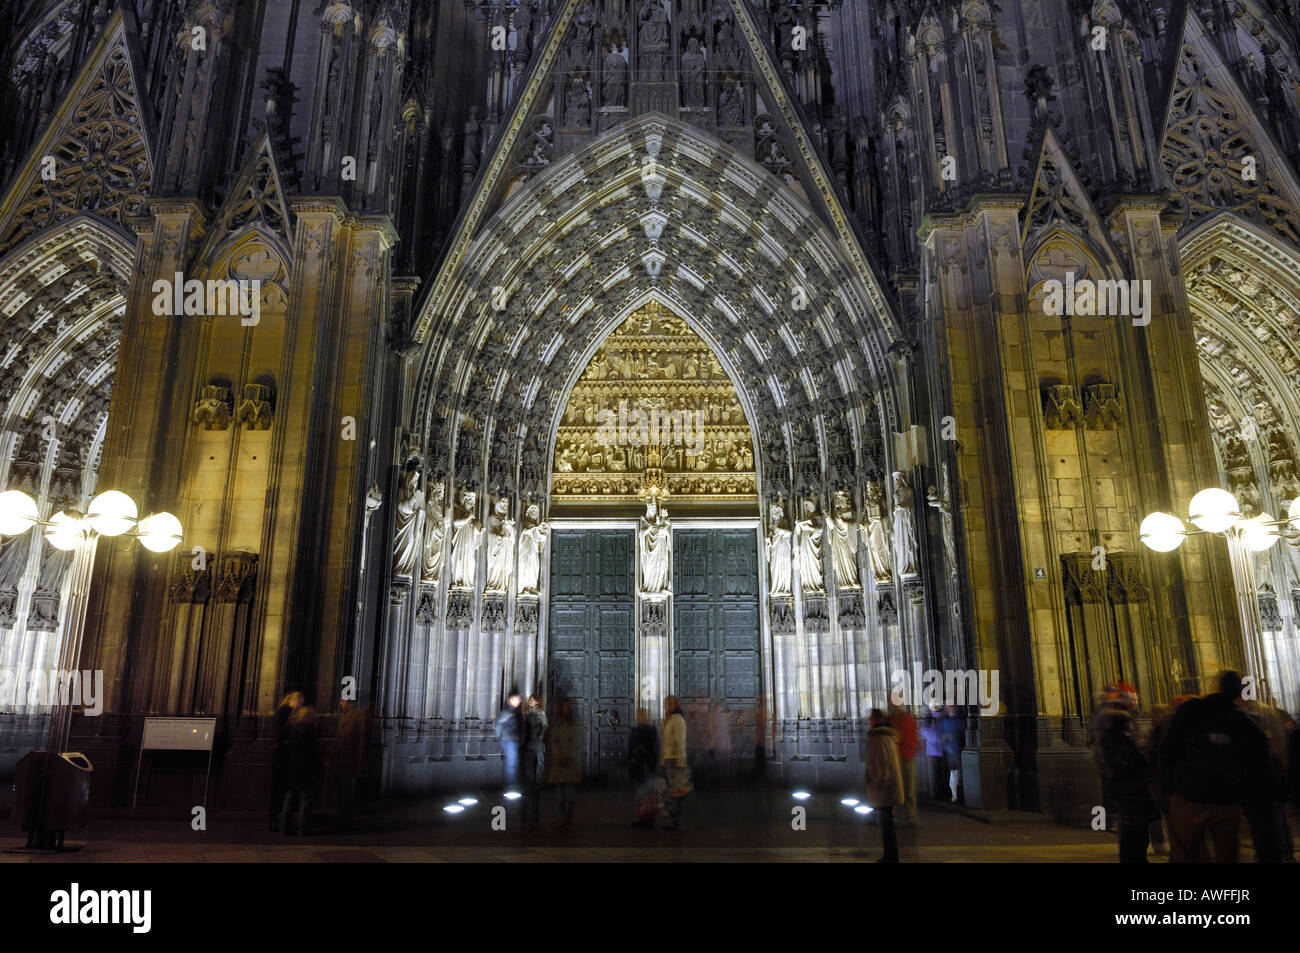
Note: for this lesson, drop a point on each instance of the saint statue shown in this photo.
(655, 540)
(944, 505)
(614, 80)
(877, 535)
(905, 544)
(501, 548)
(532, 544)
(653, 41)
(778, 553)
(693, 64)
(409, 524)
(844, 543)
(731, 105)
(435, 534)
(808, 548)
(465, 532)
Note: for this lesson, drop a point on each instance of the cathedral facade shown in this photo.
(772, 354)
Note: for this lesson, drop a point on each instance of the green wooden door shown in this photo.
(716, 634)
(592, 641)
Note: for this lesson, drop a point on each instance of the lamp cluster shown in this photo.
(111, 513)
(1215, 511)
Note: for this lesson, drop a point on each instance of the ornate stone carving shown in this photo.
(906, 552)
(779, 552)
(460, 609)
(815, 616)
(190, 585)
(398, 592)
(877, 535)
(526, 615)
(1061, 410)
(1083, 584)
(494, 613)
(782, 614)
(408, 525)
(842, 530)
(943, 503)
(212, 409)
(426, 605)
(500, 548)
(886, 611)
(1124, 579)
(808, 534)
(256, 407)
(654, 618)
(236, 577)
(465, 535)
(435, 535)
(44, 615)
(655, 541)
(1101, 406)
(852, 612)
(1270, 617)
(914, 590)
(532, 549)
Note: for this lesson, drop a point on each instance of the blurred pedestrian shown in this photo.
(1212, 760)
(1130, 785)
(303, 769)
(535, 727)
(884, 780)
(349, 761)
(932, 732)
(565, 765)
(950, 729)
(676, 769)
(280, 756)
(1266, 809)
(909, 742)
(720, 743)
(642, 758)
(509, 730)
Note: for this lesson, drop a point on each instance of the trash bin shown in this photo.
(52, 794)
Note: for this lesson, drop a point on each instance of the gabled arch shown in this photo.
(655, 204)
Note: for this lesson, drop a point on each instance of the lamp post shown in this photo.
(1217, 511)
(111, 513)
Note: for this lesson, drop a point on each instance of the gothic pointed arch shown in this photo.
(96, 156)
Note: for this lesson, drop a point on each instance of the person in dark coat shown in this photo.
(303, 769)
(349, 760)
(535, 728)
(884, 781)
(1213, 759)
(950, 729)
(1130, 785)
(280, 756)
(642, 760)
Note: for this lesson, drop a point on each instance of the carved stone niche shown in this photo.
(886, 611)
(236, 577)
(654, 617)
(213, 407)
(1083, 584)
(526, 615)
(852, 612)
(1102, 406)
(815, 618)
(191, 585)
(494, 613)
(1061, 410)
(460, 609)
(1124, 579)
(782, 609)
(256, 406)
(426, 606)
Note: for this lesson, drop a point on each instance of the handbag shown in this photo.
(677, 774)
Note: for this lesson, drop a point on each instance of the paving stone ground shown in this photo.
(732, 825)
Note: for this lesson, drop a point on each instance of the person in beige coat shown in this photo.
(884, 780)
(673, 761)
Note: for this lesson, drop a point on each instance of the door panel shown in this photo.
(592, 641)
(716, 632)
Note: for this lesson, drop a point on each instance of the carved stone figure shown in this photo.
(409, 524)
(906, 549)
(655, 540)
(577, 103)
(731, 105)
(532, 545)
(808, 548)
(653, 41)
(878, 536)
(435, 535)
(465, 532)
(614, 79)
(693, 66)
(844, 543)
(501, 548)
(778, 553)
(944, 505)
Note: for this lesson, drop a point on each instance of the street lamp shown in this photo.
(111, 513)
(1217, 511)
